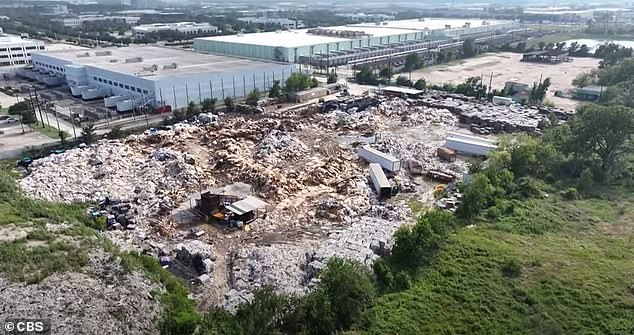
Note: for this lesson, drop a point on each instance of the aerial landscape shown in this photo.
(179, 167)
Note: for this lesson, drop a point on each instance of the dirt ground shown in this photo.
(507, 67)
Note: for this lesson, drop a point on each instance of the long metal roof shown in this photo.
(246, 205)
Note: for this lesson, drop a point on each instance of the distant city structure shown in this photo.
(362, 17)
(284, 22)
(75, 22)
(153, 76)
(289, 46)
(54, 10)
(182, 27)
(16, 51)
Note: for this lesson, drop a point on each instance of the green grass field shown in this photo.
(574, 276)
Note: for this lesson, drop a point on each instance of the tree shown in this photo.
(192, 109)
(298, 82)
(349, 290)
(420, 84)
(386, 73)
(88, 133)
(538, 91)
(603, 131)
(229, 105)
(366, 77)
(477, 195)
(332, 78)
(253, 97)
(412, 62)
(468, 48)
(541, 45)
(276, 90)
(19, 107)
(403, 81)
(209, 105)
(28, 116)
(62, 137)
(416, 246)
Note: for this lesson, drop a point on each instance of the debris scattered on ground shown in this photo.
(302, 163)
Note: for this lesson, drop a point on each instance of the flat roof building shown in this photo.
(75, 22)
(182, 27)
(16, 51)
(289, 46)
(154, 75)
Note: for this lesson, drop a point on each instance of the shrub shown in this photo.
(511, 268)
(570, 194)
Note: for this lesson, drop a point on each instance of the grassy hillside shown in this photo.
(575, 276)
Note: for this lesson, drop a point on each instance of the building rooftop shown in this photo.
(430, 24)
(301, 37)
(157, 63)
(14, 39)
(175, 25)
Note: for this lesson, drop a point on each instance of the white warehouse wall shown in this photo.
(178, 91)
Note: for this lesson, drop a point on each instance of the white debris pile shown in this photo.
(110, 168)
(366, 120)
(413, 115)
(280, 146)
(420, 157)
(103, 299)
(253, 266)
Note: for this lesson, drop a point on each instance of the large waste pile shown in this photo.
(321, 202)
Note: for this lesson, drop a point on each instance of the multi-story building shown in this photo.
(190, 28)
(284, 22)
(362, 17)
(75, 22)
(16, 52)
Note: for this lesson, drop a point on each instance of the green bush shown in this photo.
(570, 193)
(512, 268)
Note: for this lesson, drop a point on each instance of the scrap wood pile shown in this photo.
(268, 154)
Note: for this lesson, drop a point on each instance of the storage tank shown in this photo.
(111, 102)
(387, 161)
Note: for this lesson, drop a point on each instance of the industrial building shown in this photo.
(284, 22)
(153, 76)
(78, 21)
(181, 27)
(290, 46)
(16, 51)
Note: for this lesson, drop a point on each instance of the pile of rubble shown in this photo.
(500, 119)
(150, 183)
(102, 300)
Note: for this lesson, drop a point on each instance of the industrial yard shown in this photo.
(233, 202)
(506, 67)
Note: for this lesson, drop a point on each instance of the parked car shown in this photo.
(5, 119)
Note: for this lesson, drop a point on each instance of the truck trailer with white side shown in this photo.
(386, 161)
(469, 146)
(379, 180)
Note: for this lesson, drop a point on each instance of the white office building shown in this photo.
(75, 22)
(285, 23)
(16, 52)
(147, 75)
(182, 27)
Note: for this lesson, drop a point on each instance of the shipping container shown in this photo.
(379, 180)
(470, 137)
(446, 154)
(505, 101)
(387, 161)
(469, 147)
